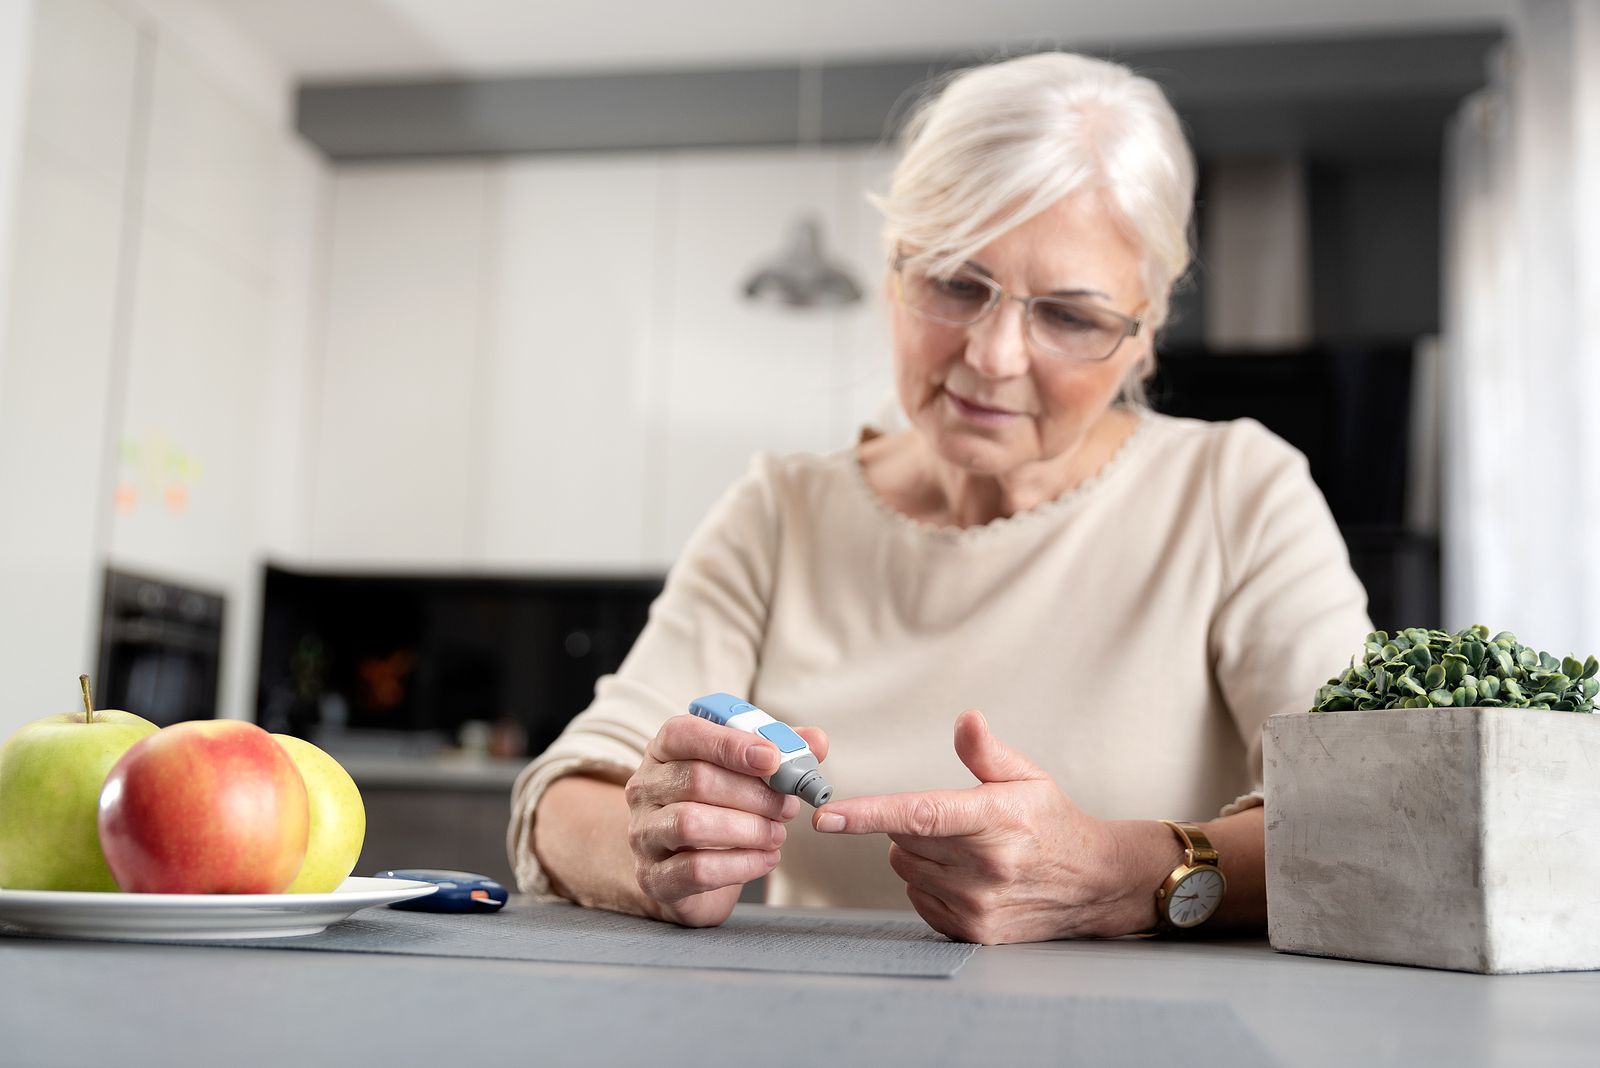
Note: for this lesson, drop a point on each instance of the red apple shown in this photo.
(206, 807)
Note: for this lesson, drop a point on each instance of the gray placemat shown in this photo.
(753, 939)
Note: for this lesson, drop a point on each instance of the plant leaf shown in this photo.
(1556, 683)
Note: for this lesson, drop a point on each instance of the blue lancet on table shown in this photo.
(797, 769)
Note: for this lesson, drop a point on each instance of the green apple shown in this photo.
(51, 772)
(338, 818)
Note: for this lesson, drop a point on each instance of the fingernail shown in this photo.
(830, 821)
(761, 757)
(791, 808)
(779, 833)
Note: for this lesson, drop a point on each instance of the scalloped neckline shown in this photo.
(1144, 419)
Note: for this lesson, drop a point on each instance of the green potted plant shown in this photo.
(1437, 807)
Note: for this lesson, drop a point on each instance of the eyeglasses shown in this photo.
(1063, 326)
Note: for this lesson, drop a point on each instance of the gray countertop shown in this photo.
(1129, 1002)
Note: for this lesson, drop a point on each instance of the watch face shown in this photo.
(1195, 898)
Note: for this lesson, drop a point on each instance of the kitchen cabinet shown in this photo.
(163, 260)
(83, 56)
(741, 376)
(749, 377)
(397, 475)
(549, 363)
(217, 322)
(57, 381)
(16, 38)
(156, 340)
(435, 815)
(864, 370)
(210, 163)
(576, 303)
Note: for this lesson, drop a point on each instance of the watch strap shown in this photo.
(1197, 847)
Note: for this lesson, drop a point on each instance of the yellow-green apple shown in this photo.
(205, 807)
(338, 818)
(51, 772)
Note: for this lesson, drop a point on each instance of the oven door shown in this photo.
(160, 649)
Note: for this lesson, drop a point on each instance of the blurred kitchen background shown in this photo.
(365, 363)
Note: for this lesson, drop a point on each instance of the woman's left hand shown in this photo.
(1009, 860)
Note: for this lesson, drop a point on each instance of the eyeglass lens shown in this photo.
(1072, 328)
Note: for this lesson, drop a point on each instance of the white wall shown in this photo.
(154, 369)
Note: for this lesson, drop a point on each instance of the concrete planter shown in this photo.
(1463, 838)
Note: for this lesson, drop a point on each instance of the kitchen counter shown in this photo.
(1133, 1002)
(447, 772)
(449, 811)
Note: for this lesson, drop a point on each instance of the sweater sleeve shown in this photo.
(1292, 611)
(703, 634)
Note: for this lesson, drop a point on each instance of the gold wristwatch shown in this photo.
(1193, 892)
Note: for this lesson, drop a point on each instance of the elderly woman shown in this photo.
(1125, 596)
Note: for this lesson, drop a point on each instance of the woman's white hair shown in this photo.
(1000, 143)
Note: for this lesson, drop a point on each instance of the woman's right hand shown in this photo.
(701, 822)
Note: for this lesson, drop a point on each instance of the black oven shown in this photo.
(160, 649)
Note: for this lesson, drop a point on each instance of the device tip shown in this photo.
(814, 790)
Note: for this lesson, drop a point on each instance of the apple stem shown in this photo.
(88, 702)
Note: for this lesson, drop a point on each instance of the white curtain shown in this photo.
(1520, 455)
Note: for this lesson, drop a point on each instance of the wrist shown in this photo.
(1146, 853)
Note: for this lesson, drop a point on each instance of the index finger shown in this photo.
(924, 814)
(688, 737)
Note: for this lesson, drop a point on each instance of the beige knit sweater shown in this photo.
(1130, 637)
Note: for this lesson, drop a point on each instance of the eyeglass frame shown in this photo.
(1131, 324)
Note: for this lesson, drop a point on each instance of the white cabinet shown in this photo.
(80, 83)
(16, 38)
(549, 364)
(153, 373)
(865, 366)
(746, 377)
(53, 435)
(197, 355)
(56, 368)
(575, 358)
(210, 163)
(398, 449)
(741, 376)
(218, 293)
(297, 279)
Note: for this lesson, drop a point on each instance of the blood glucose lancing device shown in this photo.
(797, 765)
(459, 891)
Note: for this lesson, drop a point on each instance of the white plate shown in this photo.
(191, 917)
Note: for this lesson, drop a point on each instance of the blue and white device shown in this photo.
(459, 891)
(797, 769)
